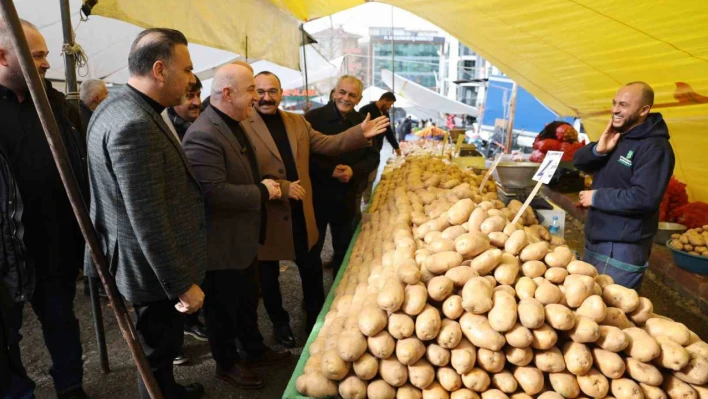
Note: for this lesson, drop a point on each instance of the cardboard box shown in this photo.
(548, 219)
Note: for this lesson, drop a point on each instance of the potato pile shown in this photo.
(693, 241)
(447, 300)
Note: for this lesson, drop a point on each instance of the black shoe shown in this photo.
(268, 357)
(196, 331)
(77, 393)
(240, 377)
(284, 335)
(194, 391)
(180, 360)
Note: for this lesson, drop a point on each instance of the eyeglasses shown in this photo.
(271, 92)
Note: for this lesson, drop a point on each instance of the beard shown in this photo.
(627, 122)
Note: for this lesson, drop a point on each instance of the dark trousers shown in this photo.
(53, 303)
(340, 218)
(625, 262)
(231, 313)
(160, 330)
(309, 265)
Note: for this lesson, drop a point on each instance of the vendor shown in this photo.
(632, 162)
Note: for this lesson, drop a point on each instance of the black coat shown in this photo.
(374, 112)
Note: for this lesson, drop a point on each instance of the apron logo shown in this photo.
(629, 154)
(625, 161)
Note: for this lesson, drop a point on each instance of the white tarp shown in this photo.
(426, 98)
(318, 68)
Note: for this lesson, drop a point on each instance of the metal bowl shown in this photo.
(666, 230)
(516, 174)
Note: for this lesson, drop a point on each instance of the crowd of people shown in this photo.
(195, 204)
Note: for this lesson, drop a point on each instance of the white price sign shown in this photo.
(550, 163)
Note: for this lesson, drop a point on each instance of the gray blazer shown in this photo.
(146, 204)
(232, 195)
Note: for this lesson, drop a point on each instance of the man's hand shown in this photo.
(343, 173)
(608, 140)
(375, 127)
(586, 198)
(273, 188)
(398, 151)
(191, 301)
(297, 192)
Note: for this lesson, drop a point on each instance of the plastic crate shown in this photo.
(688, 262)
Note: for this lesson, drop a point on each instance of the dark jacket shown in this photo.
(363, 161)
(377, 141)
(178, 123)
(86, 114)
(630, 183)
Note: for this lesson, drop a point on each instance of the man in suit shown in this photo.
(336, 180)
(181, 117)
(226, 165)
(283, 142)
(146, 203)
(92, 92)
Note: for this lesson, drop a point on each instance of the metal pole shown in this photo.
(393, 71)
(98, 324)
(304, 58)
(61, 159)
(510, 123)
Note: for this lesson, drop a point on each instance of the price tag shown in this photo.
(550, 163)
(460, 140)
(445, 138)
(498, 159)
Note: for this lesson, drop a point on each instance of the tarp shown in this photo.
(573, 55)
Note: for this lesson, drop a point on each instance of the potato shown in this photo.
(535, 251)
(492, 224)
(624, 388)
(490, 361)
(460, 212)
(516, 243)
(695, 372)
(699, 348)
(470, 245)
(544, 337)
(478, 216)
(518, 356)
(400, 325)
(393, 372)
(620, 297)
(435, 391)
(580, 267)
(612, 339)
(452, 232)
(477, 295)
(593, 384)
(502, 316)
(550, 395)
(439, 288)
(643, 312)
(556, 275)
(486, 261)
(609, 363)
(351, 345)
(460, 275)
(438, 224)
(415, 298)
(366, 367)
(452, 307)
(559, 317)
(409, 350)
(533, 269)
(565, 384)
(520, 395)
(450, 334)
(530, 379)
(643, 372)
(651, 392)
(519, 336)
(604, 280)
(504, 381)
(441, 262)
(380, 389)
(478, 331)
(673, 356)
(463, 357)
(507, 271)
(476, 380)
(372, 320)
(577, 289)
(525, 288)
(531, 313)
(593, 307)
(548, 293)
(616, 317)
(408, 391)
(506, 288)
(585, 330)
(333, 367)
(437, 355)
(677, 389)
(549, 361)
(441, 245)
(427, 324)
(353, 388)
(498, 239)
(641, 345)
(578, 359)
(701, 390)
(671, 329)
(560, 257)
(315, 385)
(449, 379)
(464, 393)
(408, 272)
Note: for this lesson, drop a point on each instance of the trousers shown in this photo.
(626, 263)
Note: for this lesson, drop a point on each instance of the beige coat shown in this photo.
(303, 140)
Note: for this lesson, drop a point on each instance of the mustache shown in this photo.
(266, 102)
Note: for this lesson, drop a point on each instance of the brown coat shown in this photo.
(303, 140)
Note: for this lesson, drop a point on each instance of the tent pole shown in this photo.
(393, 71)
(8, 13)
(512, 112)
(304, 58)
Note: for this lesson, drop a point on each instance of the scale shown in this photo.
(515, 182)
(507, 194)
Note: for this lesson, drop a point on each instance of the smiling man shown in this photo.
(632, 163)
(179, 118)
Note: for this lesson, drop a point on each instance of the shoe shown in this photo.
(180, 359)
(268, 357)
(194, 391)
(77, 393)
(284, 335)
(327, 265)
(196, 331)
(240, 377)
